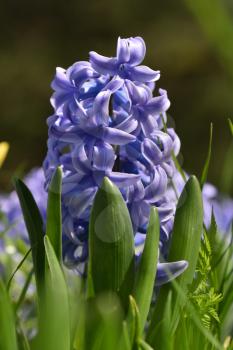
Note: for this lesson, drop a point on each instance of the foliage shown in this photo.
(109, 316)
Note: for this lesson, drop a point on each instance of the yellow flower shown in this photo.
(4, 148)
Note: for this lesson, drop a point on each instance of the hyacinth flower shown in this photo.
(13, 223)
(130, 53)
(106, 122)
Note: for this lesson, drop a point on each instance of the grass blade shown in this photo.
(230, 126)
(17, 268)
(207, 162)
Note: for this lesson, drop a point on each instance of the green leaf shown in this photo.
(186, 235)
(146, 273)
(54, 218)
(194, 317)
(185, 245)
(111, 243)
(7, 322)
(125, 342)
(34, 224)
(54, 319)
(166, 324)
(207, 162)
(103, 323)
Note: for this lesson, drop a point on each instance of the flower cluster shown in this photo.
(107, 122)
(12, 222)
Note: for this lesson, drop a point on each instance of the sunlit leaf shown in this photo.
(103, 323)
(185, 244)
(111, 243)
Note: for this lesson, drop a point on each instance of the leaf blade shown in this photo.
(208, 158)
(34, 224)
(111, 237)
(54, 319)
(146, 274)
(185, 245)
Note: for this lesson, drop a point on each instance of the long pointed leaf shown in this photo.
(34, 224)
(54, 323)
(207, 162)
(185, 244)
(145, 277)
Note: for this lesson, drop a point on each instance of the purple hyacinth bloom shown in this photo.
(130, 53)
(69, 85)
(106, 122)
(145, 108)
(10, 206)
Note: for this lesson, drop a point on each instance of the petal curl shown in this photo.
(102, 64)
(158, 104)
(123, 51)
(158, 186)
(103, 157)
(137, 49)
(123, 179)
(116, 137)
(166, 272)
(143, 74)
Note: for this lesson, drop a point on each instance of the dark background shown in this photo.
(190, 41)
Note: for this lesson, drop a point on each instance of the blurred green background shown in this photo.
(190, 41)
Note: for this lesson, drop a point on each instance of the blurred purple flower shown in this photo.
(213, 202)
(13, 222)
(221, 206)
